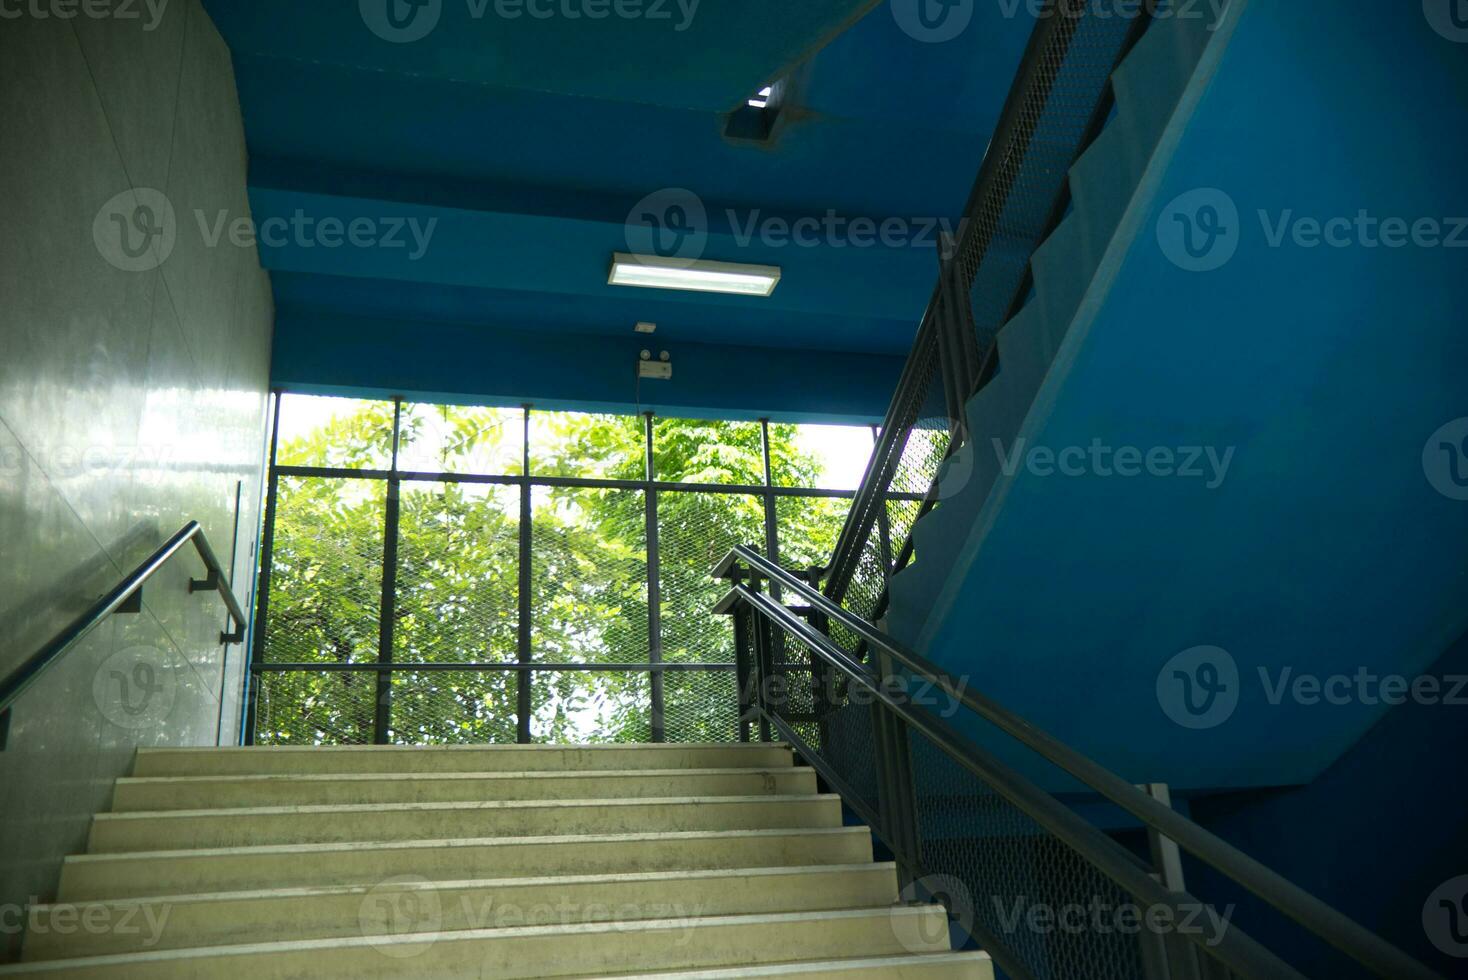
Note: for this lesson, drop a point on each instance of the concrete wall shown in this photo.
(132, 399)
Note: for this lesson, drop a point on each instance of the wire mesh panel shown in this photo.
(326, 571)
(576, 707)
(457, 574)
(807, 529)
(700, 706)
(440, 707)
(695, 530)
(316, 708)
(588, 558)
(1013, 884)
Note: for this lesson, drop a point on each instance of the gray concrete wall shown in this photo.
(133, 377)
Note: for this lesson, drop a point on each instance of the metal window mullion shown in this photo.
(654, 588)
(262, 587)
(387, 614)
(524, 679)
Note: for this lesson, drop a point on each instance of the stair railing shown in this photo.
(962, 820)
(127, 597)
(1060, 99)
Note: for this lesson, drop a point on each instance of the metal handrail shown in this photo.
(1330, 925)
(129, 590)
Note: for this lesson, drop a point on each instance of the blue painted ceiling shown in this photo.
(532, 139)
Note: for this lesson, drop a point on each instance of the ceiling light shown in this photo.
(658, 272)
(645, 327)
(763, 98)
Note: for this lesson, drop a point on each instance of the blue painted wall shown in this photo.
(1326, 370)
(1374, 835)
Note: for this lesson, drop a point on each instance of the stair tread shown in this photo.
(551, 932)
(419, 749)
(498, 775)
(545, 839)
(316, 891)
(350, 808)
(795, 969)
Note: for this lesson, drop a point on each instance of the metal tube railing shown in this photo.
(1322, 920)
(23, 677)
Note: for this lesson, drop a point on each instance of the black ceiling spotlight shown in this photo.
(755, 119)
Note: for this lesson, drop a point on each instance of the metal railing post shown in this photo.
(524, 678)
(253, 676)
(658, 725)
(387, 614)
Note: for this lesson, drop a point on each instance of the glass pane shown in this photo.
(695, 530)
(708, 451)
(700, 706)
(808, 528)
(822, 457)
(589, 576)
(440, 707)
(458, 581)
(326, 571)
(575, 707)
(316, 708)
(462, 439)
(339, 432)
(585, 445)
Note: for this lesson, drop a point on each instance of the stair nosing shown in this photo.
(534, 774)
(379, 808)
(414, 843)
(472, 935)
(628, 877)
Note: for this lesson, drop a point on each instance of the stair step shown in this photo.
(181, 872)
(209, 792)
(290, 914)
(928, 966)
(306, 759)
(151, 830)
(540, 951)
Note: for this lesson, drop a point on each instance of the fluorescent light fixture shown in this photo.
(659, 272)
(645, 327)
(763, 99)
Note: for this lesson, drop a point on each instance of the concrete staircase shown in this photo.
(703, 861)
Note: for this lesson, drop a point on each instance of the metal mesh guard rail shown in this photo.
(970, 830)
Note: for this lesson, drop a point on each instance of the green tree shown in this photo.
(457, 586)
